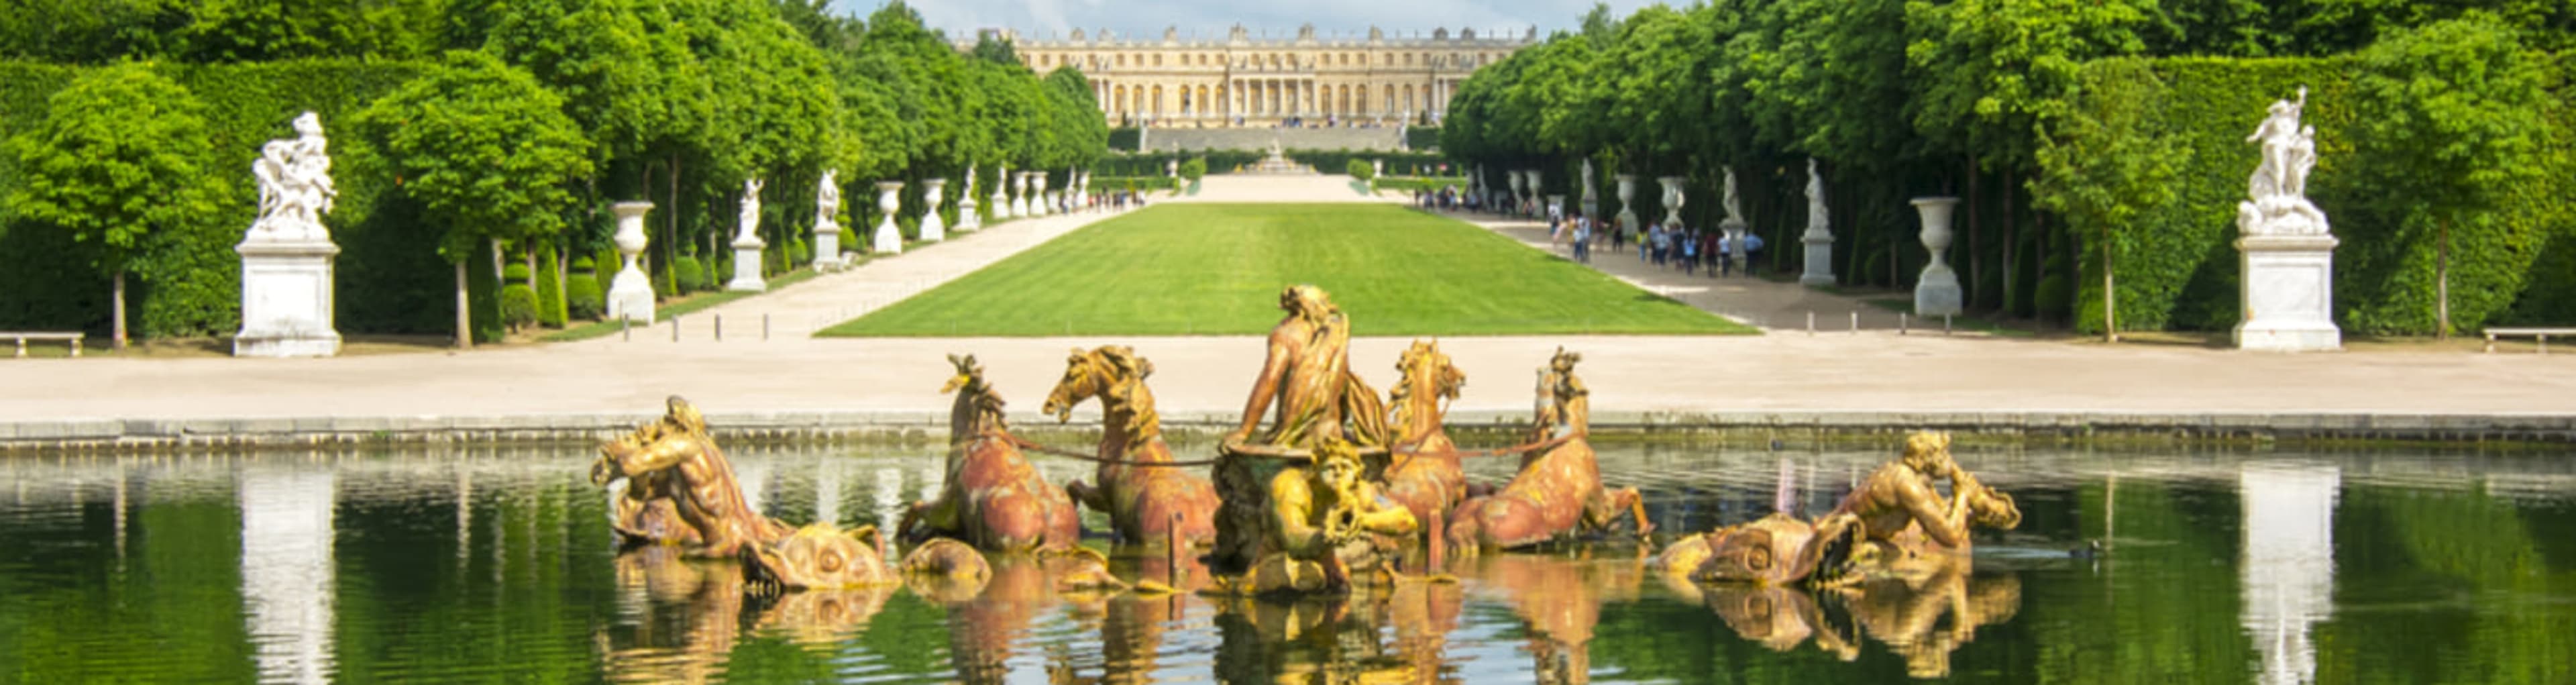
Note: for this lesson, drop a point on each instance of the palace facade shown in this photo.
(1244, 81)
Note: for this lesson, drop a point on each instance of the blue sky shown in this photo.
(1147, 18)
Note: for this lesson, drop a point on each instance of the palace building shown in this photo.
(1244, 81)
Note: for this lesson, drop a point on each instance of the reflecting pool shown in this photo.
(498, 564)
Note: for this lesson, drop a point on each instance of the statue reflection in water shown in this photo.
(1559, 598)
(1920, 618)
(683, 616)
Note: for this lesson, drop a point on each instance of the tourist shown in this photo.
(1752, 249)
(1582, 239)
(1690, 254)
(1714, 248)
(1727, 251)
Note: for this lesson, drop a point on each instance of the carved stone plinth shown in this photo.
(746, 265)
(1002, 209)
(889, 237)
(1936, 291)
(2288, 294)
(286, 299)
(933, 229)
(630, 293)
(967, 220)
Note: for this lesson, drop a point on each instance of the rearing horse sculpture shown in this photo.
(1557, 492)
(1429, 480)
(994, 498)
(1144, 503)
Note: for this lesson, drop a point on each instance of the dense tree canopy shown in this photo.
(1988, 100)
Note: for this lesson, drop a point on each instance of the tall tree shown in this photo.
(488, 152)
(2453, 116)
(115, 163)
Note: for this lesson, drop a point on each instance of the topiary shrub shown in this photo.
(550, 289)
(1360, 169)
(518, 305)
(583, 298)
(515, 273)
(689, 275)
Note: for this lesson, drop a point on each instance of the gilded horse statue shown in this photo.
(1558, 492)
(674, 465)
(994, 498)
(1429, 480)
(1145, 504)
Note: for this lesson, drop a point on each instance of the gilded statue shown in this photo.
(993, 498)
(1428, 478)
(1558, 491)
(1306, 375)
(1895, 520)
(1317, 528)
(673, 465)
(1145, 504)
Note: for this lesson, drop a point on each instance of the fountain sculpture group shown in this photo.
(1338, 495)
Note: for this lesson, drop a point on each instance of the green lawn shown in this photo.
(1215, 269)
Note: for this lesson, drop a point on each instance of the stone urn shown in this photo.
(1020, 204)
(630, 292)
(1672, 198)
(1627, 192)
(1936, 291)
(1046, 201)
(933, 229)
(889, 236)
(1513, 179)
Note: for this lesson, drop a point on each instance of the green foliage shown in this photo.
(1360, 170)
(691, 275)
(518, 306)
(515, 273)
(116, 165)
(584, 299)
(1125, 138)
(550, 292)
(484, 148)
(2452, 112)
(1194, 169)
(2102, 167)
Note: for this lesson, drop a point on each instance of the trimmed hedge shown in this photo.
(2177, 265)
(391, 279)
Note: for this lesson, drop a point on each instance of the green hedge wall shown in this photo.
(390, 277)
(2177, 263)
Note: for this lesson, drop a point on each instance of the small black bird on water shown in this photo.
(2092, 549)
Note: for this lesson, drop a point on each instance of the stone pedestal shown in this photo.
(1045, 199)
(889, 236)
(630, 293)
(1731, 231)
(286, 298)
(1820, 256)
(746, 264)
(967, 219)
(1936, 291)
(827, 245)
(1627, 201)
(2288, 294)
(933, 229)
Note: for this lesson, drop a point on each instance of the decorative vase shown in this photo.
(630, 293)
(1936, 291)
(889, 236)
(932, 228)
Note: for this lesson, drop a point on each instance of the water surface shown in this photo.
(476, 564)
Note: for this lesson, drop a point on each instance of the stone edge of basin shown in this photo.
(773, 427)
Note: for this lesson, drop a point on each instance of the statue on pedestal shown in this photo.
(287, 284)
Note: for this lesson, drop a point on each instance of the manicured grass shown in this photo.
(1215, 269)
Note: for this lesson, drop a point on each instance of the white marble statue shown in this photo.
(750, 218)
(827, 199)
(2277, 201)
(1819, 238)
(1817, 215)
(295, 187)
(1733, 203)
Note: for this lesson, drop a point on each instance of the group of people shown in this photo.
(1669, 246)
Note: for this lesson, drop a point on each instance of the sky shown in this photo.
(1038, 19)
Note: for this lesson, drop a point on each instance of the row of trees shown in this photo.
(1982, 98)
(534, 115)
